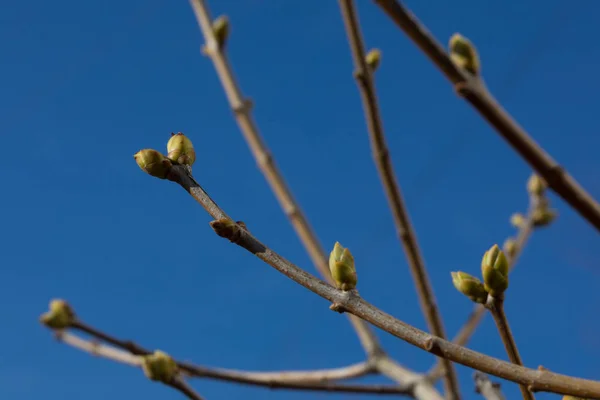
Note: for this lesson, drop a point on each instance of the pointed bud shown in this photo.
(463, 54)
(510, 247)
(494, 269)
(373, 58)
(60, 315)
(543, 217)
(226, 228)
(469, 286)
(159, 366)
(517, 220)
(220, 28)
(153, 163)
(536, 185)
(181, 149)
(341, 265)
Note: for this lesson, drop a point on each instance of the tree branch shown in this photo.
(485, 387)
(364, 78)
(473, 320)
(481, 99)
(496, 307)
(266, 163)
(351, 302)
(317, 380)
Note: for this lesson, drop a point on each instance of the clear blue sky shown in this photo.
(86, 85)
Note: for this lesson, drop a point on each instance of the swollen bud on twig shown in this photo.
(341, 265)
(469, 286)
(543, 216)
(510, 247)
(60, 315)
(226, 228)
(373, 58)
(220, 28)
(159, 367)
(536, 185)
(494, 269)
(573, 398)
(153, 163)
(517, 220)
(463, 54)
(181, 149)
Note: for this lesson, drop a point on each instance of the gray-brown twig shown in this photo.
(351, 302)
(496, 307)
(488, 389)
(365, 81)
(481, 99)
(130, 353)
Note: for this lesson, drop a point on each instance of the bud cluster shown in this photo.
(180, 150)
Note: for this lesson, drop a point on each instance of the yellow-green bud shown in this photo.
(573, 398)
(536, 185)
(181, 149)
(510, 247)
(341, 266)
(220, 28)
(494, 269)
(463, 54)
(543, 217)
(373, 58)
(153, 163)
(517, 220)
(59, 316)
(469, 286)
(159, 367)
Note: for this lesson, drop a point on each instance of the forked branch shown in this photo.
(364, 75)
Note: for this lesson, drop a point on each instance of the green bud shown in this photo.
(517, 220)
(220, 28)
(510, 247)
(543, 217)
(463, 54)
(573, 398)
(494, 269)
(59, 316)
(181, 149)
(536, 185)
(159, 367)
(341, 265)
(373, 58)
(153, 163)
(469, 286)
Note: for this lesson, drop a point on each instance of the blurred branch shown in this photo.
(482, 100)
(473, 320)
(351, 302)
(485, 387)
(364, 77)
(496, 307)
(129, 353)
(242, 110)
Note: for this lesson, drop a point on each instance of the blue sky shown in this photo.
(86, 85)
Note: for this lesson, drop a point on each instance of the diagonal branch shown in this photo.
(544, 381)
(481, 99)
(266, 163)
(473, 320)
(364, 77)
(488, 389)
(317, 380)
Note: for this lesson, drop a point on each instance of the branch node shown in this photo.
(337, 307)
(226, 228)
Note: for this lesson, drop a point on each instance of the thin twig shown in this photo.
(481, 99)
(473, 320)
(545, 381)
(242, 110)
(364, 78)
(179, 384)
(317, 380)
(496, 307)
(485, 387)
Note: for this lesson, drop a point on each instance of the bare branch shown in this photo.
(364, 77)
(266, 163)
(485, 387)
(496, 307)
(351, 302)
(179, 384)
(317, 380)
(481, 99)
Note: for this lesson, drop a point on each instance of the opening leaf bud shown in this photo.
(181, 149)
(463, 54)
(220, 28)
(341, 266)
(469, 286)
(373, 59)
(153, 163)
(536, 185)
(59, 316)
(159, 366)
(494, 269)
